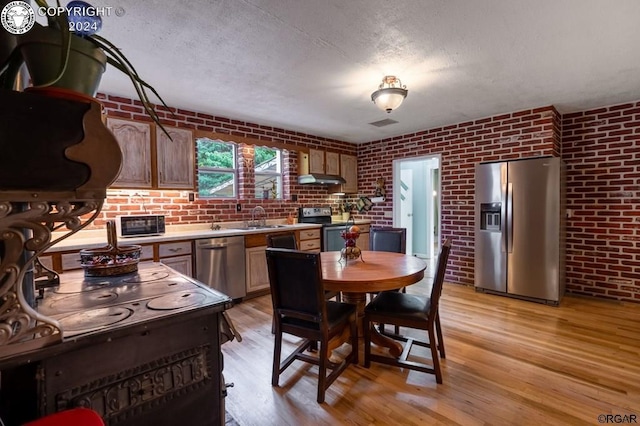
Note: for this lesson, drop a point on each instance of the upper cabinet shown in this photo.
(332, 163)
(349, 171)
(316, 161)
(134, 138)
(176, 158)
(172, 167)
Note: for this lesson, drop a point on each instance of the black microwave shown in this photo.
(140, 226)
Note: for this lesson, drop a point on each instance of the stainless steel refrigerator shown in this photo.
(519, 229)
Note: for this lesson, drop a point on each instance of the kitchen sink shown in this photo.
(250, 228)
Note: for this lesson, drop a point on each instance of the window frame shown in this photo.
(208, 169)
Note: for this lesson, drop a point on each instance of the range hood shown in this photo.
(320, 179)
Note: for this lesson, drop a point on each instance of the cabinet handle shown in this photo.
(175, 250)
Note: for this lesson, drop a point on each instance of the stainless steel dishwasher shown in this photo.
(220, 265)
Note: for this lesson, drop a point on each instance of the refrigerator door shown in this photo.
(490, 237)
(534, 228)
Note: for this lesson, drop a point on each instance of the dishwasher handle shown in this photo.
(213, 246)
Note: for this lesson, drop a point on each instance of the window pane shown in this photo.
(216, 168)
(266, 159)
(268, 172)
(216, 184)
(215, 154)
(265, 187)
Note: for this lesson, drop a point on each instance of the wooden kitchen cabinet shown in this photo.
(150, 159)
(182, 264)
(349, 172)
(177, 255)
(257, 272)
(309, 239)
(176, 158)
(316, 161)
(134, 138)
(332, 163)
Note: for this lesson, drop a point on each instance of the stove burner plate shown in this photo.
(87, 299)
(94, 318)
(176, 300)
(147, 276)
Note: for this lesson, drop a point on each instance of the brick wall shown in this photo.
(601, 150)
(529, 133)
(176, 203)
(603, 182)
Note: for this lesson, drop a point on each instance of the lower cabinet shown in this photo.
(309, 239)
(256, 269)
(182, 264)
(177, 255)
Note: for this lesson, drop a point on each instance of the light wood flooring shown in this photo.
(509, 362)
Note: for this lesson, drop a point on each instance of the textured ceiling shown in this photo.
(311, 65)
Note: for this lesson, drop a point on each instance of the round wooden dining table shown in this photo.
(375, 271)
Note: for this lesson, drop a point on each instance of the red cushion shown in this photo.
(73, 417)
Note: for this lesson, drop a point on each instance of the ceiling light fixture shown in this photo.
(390, 93)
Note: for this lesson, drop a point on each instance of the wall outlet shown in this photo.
(294, 197)
(388, 214)
(238, 207)
(192, 196)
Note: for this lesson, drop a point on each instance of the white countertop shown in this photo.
(98, 238)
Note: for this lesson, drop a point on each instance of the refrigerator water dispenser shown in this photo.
(490, 217)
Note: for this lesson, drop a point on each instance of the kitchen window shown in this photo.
(217, 168)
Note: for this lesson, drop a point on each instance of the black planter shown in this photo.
(41, 50)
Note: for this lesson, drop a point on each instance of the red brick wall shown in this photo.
(602, 153)
(603, 182)
(529, 133)
(182, 211)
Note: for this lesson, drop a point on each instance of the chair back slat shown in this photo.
(388, 239)
(285, 240)
(296, 284)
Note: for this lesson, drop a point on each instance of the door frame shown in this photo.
(436, 210)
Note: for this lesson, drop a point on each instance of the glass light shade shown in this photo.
(388, 99)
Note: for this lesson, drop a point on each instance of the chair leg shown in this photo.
(322, 371)
(277, 348)
(434, 354)
(439, 331)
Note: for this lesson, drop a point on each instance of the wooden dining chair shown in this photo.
(412, 311)
(288, 240)
(388, 239)
(300, 309)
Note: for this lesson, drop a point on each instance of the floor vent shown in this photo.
(383, 123)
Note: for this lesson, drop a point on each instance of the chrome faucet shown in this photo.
(214, 225)
(258, 211)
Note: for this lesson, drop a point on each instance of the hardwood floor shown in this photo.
(509, 362)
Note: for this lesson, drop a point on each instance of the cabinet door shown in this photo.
(332, 163)
(176, 158)
(316, 161)
(182, 264)
(134, 138)
(257, 271)
(349, 171)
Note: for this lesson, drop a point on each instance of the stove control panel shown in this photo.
(314, 211)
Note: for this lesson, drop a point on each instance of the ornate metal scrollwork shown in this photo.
(27, 227)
